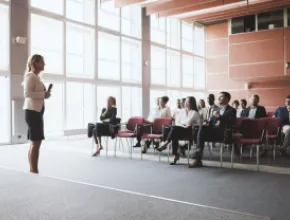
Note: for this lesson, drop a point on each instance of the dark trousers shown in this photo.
(101, 129)
(175, 134)
(207, 134)
(142, 130)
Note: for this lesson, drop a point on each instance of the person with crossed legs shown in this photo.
(221, 120)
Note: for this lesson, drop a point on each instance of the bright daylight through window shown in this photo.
(93, 50)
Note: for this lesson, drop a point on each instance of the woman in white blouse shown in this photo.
(186, 120)
(34, 94)
(161, 111)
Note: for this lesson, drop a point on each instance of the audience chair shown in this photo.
(130, 133)
(190, 139)
(273, 134)
(252, 134)
(156, 130)
(114, 129)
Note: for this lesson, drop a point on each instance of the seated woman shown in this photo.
(187, 118)
(108, 117)
(161, 111)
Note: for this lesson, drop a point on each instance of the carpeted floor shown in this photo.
(26, 196)
(244, 191)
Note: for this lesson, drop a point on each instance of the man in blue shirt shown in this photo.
(283, 113)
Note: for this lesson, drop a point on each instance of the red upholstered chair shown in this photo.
(252, 134)
(270, 114)
(156, 129)
(273, 134)
(130, 132)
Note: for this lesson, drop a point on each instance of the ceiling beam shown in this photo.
(223, 17)
(195, 7)
(252, 8)
(122, 3)
(165, 6)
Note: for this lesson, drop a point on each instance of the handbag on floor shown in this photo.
(91, 127)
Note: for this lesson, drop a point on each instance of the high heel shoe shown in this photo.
(176, 158)
(163, 147)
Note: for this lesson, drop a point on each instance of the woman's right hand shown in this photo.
(47, 94)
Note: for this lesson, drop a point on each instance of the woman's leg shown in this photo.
(175, 151)
(167, 139)
(33, 156)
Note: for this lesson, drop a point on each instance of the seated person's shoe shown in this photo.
(162, 147)
(137, 145)
(148, 143)
(144, 150)
(196, 164)
(156, 144)
(182, 149)
(176, 158)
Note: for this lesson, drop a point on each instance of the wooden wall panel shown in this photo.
(251, 55)
(256, 36)
(217, 31)
(218, 65)
(217, 48)
(287, 58)
(271, 97)
(257, 51)
(222, 82)
(257, 70)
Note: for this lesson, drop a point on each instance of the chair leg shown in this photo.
(210, 150)
(131, 147)
(141, 154)
(188, 152)
(241, 152)
(251, 152)
(107, 146)
(115, 153)
(258, 156)
(168, 153)
(93, 145)
(232, 155)
(221, 154)
(274, 151)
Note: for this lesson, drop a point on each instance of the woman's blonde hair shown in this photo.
(113, 99)
(32, 61)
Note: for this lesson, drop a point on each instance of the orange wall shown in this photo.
(251, 57)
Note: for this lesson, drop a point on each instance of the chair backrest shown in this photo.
(239, 122)
(270, 114)
(273, 125)
(158, 123)
(253, 128)
(133, 121)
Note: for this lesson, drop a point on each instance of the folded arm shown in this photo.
(29, 89)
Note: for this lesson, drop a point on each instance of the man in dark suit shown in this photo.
(255, 110)
(221, 120)
(283, 113)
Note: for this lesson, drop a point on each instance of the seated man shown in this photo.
(243, 108)
(255, 111)
(283, 114)
(223, 119)
(212, 107)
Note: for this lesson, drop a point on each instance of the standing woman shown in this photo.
(34, 94)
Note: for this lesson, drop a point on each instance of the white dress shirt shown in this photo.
(252, 113)
(159, 113)
(34, 93)
(239, 112)
(190, 118)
